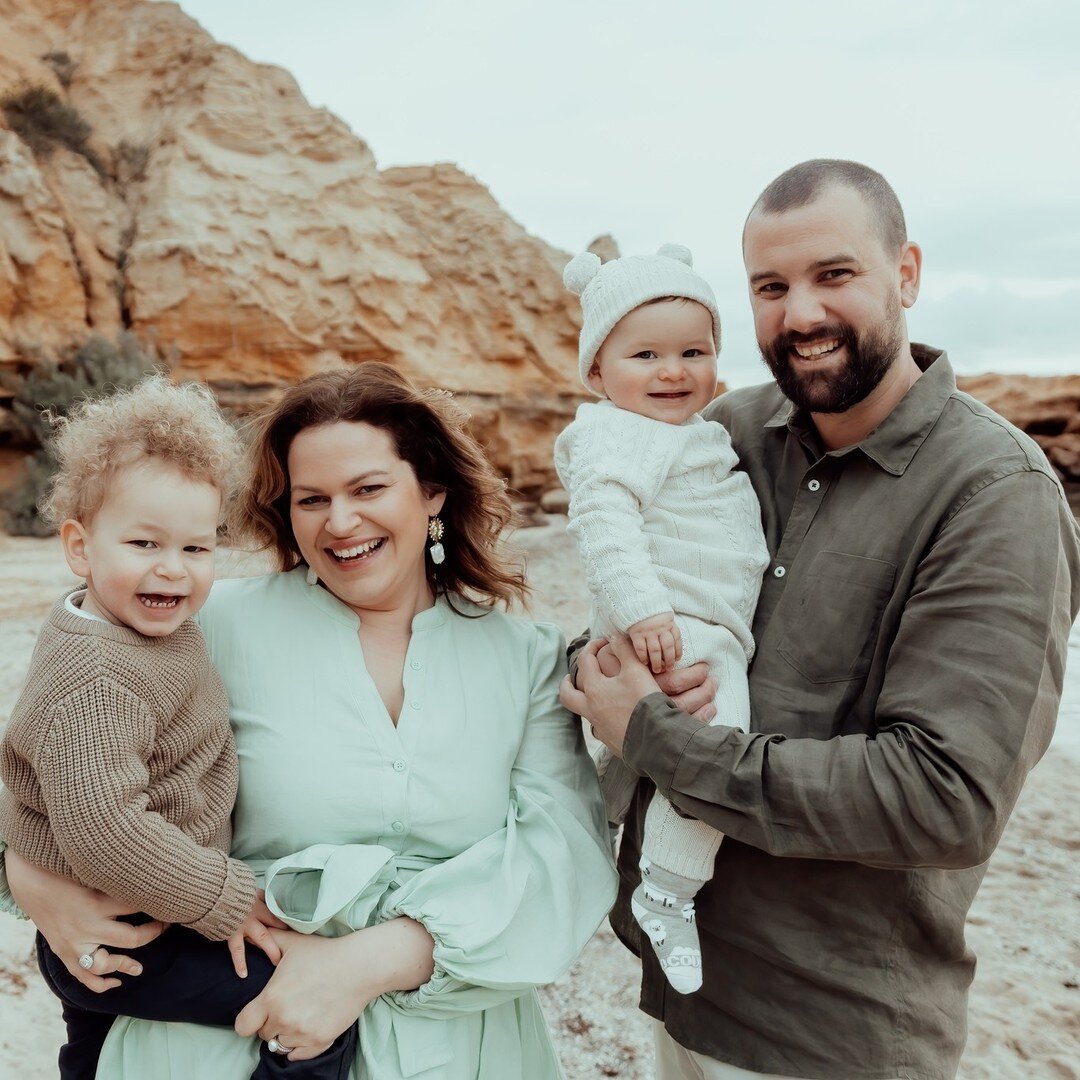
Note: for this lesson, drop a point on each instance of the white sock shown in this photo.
(663, 905)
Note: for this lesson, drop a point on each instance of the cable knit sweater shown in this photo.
(120, 771)
(662, 519)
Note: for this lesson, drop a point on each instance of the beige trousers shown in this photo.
(675, 1062)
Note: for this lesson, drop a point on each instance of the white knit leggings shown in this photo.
(684, 845)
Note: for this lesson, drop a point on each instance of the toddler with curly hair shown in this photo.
(118, 764)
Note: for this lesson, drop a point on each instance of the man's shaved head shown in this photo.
(803, 183)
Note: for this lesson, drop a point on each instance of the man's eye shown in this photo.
(837, 274)
(770, 288)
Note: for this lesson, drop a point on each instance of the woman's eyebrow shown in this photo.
(348, 483)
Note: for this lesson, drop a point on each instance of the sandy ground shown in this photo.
(1024, 927)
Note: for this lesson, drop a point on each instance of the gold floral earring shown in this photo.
(435, 531)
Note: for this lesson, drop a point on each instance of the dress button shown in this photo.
(814, 485)
(398, 826)
(414, 704)
(779, 572)
(416, 665)
(399, 765)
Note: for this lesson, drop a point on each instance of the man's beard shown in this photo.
(869, 357)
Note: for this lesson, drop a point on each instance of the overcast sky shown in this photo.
(661, 120)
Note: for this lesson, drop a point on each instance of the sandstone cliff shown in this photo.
(254, 236)
(255, 239)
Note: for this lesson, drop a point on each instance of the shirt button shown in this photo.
(414, 704)
(814, 485)
(399, 765)
(398, 826)
(416, 665)
(779, 572)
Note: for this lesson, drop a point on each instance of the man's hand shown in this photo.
(691, 689)
(657, 642)
(608, 700)
(256, 929)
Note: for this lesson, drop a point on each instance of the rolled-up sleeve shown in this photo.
(967, 706)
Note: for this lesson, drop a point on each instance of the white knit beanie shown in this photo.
(613, 289)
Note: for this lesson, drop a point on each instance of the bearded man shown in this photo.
(911, 636)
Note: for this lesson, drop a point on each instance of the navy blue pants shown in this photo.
(185, 978)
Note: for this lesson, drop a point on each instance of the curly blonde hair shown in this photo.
(428, 430)
(180, 425)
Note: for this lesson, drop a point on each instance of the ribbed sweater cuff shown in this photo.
(631, 611)
(234, 905)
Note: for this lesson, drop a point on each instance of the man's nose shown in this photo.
(803, 310)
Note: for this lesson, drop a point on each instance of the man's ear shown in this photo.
(910, 273)
(74, 540)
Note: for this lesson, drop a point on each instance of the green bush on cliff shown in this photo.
(44, 121)
(96, 368)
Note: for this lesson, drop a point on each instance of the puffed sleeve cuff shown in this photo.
(7, 901)
(234, 905)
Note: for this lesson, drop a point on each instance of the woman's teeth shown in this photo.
(358, 552)
(820, 349)
(156, 600)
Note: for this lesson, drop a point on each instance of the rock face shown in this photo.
(1048, 409)
(255, 237)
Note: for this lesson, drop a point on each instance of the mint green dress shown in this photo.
(479, 815)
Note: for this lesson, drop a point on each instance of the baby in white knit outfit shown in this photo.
(669, 534)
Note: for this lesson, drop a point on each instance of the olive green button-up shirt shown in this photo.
(911, 638)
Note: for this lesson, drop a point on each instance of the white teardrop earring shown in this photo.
(435, 533)
(311, 577)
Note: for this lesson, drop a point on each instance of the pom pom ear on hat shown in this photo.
(580, 270)
(676, 251)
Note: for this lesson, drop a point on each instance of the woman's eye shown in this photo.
(370, 489)
(309, 500)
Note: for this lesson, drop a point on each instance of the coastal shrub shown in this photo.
(96, 368)
(62, 64)
(44, 121)
(131, 162)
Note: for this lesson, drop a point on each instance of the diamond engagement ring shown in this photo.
(86, 961)
(275, 1046)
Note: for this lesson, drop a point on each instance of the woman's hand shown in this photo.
(75, 920)
(322, 985)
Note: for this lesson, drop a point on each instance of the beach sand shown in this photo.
(1024, 926)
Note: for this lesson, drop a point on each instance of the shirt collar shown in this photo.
(894, 442)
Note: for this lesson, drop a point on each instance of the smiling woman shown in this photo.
(415, 801)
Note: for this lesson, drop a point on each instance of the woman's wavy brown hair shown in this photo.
(428, 429)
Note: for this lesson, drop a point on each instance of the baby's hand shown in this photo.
(255, 929)
(657, 642)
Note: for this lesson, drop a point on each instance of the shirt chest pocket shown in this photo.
(833, 624)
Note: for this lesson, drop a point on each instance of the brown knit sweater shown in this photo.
(120, 771)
